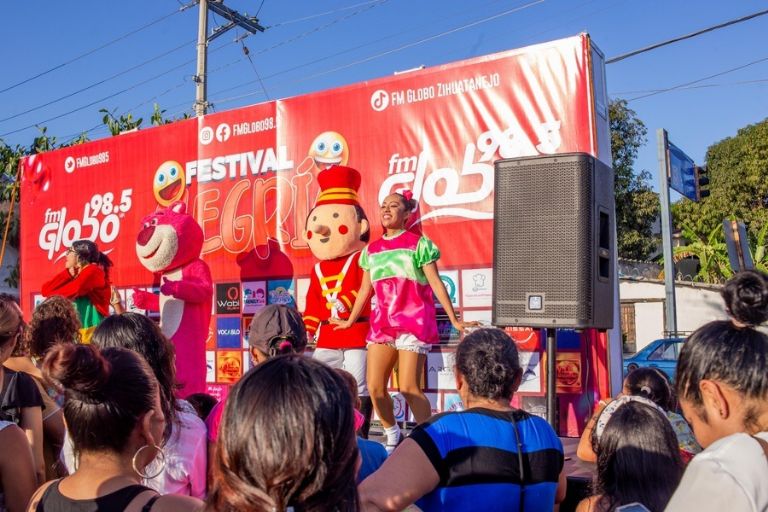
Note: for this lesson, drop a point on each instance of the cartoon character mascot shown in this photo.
(337, 230)
(169, 244)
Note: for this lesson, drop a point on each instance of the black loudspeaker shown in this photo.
(553, 259)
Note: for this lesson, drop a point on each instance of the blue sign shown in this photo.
(228, 332)
(682, 172)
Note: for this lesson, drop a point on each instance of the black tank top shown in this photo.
(53, 501)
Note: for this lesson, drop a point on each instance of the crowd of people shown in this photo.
(104, 426)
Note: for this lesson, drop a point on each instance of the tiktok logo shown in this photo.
(379, 100)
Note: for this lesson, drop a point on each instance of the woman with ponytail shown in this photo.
(486, 457)
(84, 280)
(722, 385)
(116, 422)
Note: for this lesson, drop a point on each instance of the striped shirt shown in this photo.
(475, 453)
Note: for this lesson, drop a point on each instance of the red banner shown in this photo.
(249, 175)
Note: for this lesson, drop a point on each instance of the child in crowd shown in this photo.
(401, 270)
(638, 460)
(652, 385)
(203, 404)
(722, 384)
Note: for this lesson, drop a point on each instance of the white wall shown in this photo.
(697, 304)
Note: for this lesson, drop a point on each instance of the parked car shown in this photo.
(661, 354)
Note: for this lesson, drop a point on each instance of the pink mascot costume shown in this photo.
(169, 244)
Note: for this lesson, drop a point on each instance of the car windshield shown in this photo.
(667, 351)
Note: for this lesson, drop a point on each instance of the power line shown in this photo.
(134, 86)
(422, 41)
(702, 86)
(259, 9)
(686, 36)
(94, 50)
(323, 27)
(326, 57)
(680, 86)
(95, 84)
(326, 13)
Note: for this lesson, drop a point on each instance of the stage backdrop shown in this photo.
(250, 178)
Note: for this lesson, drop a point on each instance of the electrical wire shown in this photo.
(95, 84)
(110, 96)
(422, 41)
(94, 50)
(313, 16)
(320, 59)
(685, 84)
(129, 88)
(259, 9)
(322, 27)
(686, 36)
(258, 76)
(702, 86)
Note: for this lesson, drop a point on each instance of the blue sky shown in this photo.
(311, 46)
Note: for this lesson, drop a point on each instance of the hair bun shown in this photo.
(78, 368)
(746, 297)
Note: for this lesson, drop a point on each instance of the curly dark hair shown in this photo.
(54, 320)
(488, 360)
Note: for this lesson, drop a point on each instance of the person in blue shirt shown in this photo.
(487, 457)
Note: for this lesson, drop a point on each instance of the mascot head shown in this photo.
(337, 225)
(168, 239)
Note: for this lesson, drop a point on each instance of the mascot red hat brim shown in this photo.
(338, 185)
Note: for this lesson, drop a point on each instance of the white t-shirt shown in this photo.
(730, 475)
(186, 457)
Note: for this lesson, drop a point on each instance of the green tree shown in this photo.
(118, 125)
(637, 205)
(710, 252)
(158, 116)
(738, 172)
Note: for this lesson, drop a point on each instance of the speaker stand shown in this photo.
(552, 379)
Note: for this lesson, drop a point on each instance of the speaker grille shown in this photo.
(543, 240)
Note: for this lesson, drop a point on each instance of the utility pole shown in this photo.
(666, 232)
(249, 23)
(201, 78)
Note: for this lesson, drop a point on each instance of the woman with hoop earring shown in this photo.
(114, 416)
